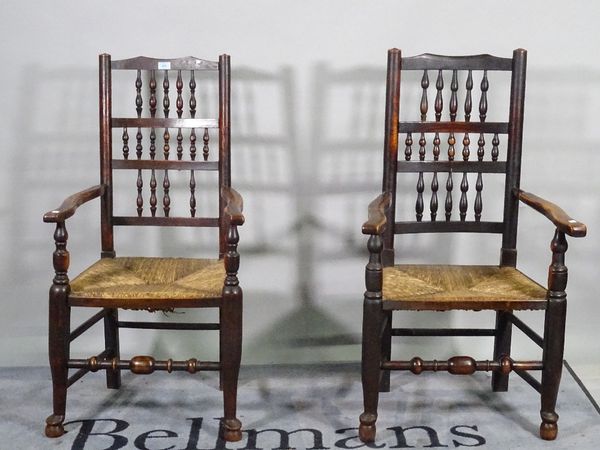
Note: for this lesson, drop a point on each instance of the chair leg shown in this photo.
(502, 343)
(231, 353)
(554, 340)
(111, 344)
(386, 350)
(371, 367)
(58, 337)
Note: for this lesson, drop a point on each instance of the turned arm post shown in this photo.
(557, 272)
(232, 260)
(60, 259)
(374, 269)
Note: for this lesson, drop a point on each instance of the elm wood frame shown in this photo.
(230, 217)
(381, 226)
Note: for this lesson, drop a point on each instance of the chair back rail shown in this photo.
(163, 134)
(443, 152)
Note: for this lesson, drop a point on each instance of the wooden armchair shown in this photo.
(152, 283)
(501, 288)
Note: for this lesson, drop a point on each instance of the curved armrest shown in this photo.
(234, 205)
(555, 214)
(377, 209)
(68, 207)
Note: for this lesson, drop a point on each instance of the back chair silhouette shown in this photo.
(444, 169)
(163, 145)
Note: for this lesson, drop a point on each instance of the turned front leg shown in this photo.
(373, 317)
(58, 332)
(554, 336)
(231, 338)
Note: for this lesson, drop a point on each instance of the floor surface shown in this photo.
(281, 407)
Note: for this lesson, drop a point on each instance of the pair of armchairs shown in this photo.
(152, 284)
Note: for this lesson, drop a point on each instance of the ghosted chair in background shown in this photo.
(264, 141)
(345, 136)
(152, 283)
(267, 170)
(501, 288)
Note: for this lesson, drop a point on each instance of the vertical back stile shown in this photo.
(106, 155)
(224, 142)
(390, 159)
(513, 170)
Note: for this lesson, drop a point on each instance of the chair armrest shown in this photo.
(555, 214)
(70, 205)
(234, 204)
(377, 209)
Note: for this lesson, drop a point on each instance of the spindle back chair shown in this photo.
(502, 288)
(163, 144)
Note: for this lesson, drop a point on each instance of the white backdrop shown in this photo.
(308, 80)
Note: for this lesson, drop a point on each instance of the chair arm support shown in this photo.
(377, 209)
(70, 205)
(556, 215)
(234, 205)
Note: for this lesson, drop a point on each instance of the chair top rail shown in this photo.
(428, 61)
(146, 63)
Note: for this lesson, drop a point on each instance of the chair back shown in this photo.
(163, 133)
(444, 144)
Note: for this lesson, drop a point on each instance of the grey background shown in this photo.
(308, 84)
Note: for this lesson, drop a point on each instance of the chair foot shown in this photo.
(549, 427)
(54, 426)
(367, 428)
(231, 430)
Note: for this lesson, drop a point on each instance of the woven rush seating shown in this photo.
(150, 278)
(435, 286)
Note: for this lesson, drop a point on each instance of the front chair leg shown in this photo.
(58, 339)
(59, 327)
(231, 352)
(372, 345)
(231, 339)
(554, 337)
(371, 367)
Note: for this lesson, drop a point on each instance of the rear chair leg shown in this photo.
(502, 343)
(58, 339)
(111, 343)
(386, 350)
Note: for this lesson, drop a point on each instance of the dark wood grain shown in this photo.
(167, 221)
(455, 127)
(554, 213)
(448, 227)
(390, 145)
(163, 122)
(120, 164)
(71, 203)
(451, 166)
(377, 219)
(234, 205)
(440, 62)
